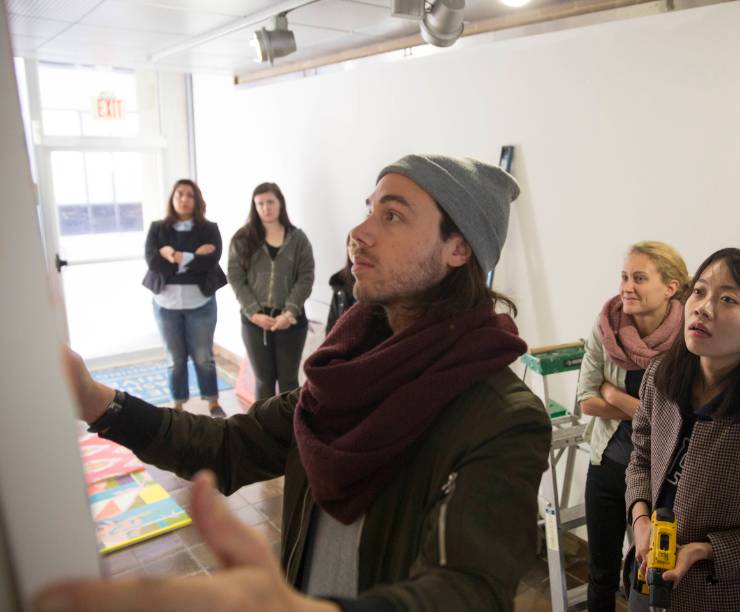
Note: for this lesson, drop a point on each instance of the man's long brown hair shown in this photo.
(463, 288)
(199, 210)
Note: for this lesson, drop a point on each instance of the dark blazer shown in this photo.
(204, 269)
(707, 503)
(341, 299)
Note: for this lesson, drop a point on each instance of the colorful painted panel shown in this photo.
(131, 508)
(103, 459)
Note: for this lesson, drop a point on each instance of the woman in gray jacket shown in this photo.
(271, 270)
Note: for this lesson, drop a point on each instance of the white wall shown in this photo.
(624, 131)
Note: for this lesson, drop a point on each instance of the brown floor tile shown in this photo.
(158, 547)
(250, 515)
(260, 491)
(531, 600)
(537, 575)
(118, 562)
(272, 508)
(168, 480)
(181, 563)
(205, 557)
(235, 501)
(189, 536)
(268, 530)
(579, 570)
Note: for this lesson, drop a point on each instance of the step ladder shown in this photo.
(567, 438)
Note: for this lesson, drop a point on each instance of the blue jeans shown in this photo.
(189, 333)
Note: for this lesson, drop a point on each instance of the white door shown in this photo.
(99, 189)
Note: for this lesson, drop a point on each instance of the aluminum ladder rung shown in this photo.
(572, 517)
(568, 436)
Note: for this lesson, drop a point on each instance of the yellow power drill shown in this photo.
(661, 557)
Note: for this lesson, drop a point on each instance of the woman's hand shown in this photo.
(642, 529)
(205, 249)
(262, 320)
(92, 397)
(615, 397)
(607, 392)
(177, 257)
(168, 253)
(282, 321)
(250, 579)
(688, 554)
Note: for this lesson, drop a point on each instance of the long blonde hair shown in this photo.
(669, 264)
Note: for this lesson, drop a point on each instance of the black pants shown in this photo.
(606, 521)
(275, 356)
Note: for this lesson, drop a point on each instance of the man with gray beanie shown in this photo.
(412, 455)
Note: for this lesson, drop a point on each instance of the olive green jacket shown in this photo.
(284, 282)
(454, 531)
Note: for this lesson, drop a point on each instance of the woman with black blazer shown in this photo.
(182, 253)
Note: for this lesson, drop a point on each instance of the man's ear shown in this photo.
(458, 251)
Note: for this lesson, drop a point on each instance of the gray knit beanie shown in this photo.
(475, 195)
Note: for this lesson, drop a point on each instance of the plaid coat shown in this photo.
(707, 503)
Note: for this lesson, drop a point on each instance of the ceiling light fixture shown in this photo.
(443, 24)
(234, 26)
(271, 44)
(441, 21)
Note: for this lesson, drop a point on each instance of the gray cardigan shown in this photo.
(283, 283)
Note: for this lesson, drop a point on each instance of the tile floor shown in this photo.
(260, 505)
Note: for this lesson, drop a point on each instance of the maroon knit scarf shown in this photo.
(622, 340)
(370, 395)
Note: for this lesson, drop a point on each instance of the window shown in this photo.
(70, 98)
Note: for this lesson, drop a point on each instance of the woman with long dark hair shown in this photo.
(182, 253)
(633, 327)
(271, 270)
(686, 437)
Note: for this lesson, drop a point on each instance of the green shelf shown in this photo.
(563, 360)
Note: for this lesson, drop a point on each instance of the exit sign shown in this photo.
(108, 106)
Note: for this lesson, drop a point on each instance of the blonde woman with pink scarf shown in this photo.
(637, 324)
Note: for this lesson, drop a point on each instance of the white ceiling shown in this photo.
(125, 32)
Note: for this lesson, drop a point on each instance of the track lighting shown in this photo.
(441, 21)
(442, 24)
(272, 44)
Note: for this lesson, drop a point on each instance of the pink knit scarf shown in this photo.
(622, 341)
